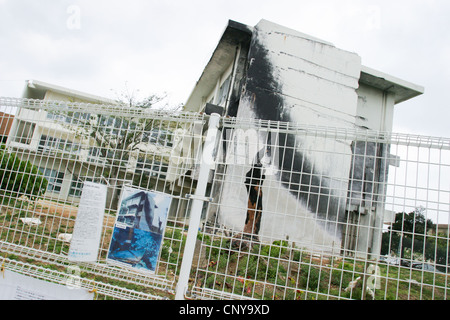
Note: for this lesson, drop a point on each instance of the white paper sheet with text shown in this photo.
(86, 236)
(15, 286)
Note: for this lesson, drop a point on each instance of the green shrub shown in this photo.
(19, 177)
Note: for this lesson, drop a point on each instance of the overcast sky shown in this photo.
(103, 46)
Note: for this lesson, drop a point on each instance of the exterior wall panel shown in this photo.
(298, 79)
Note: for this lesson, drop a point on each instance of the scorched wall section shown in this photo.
(295, 78)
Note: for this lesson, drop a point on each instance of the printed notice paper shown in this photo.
(86, 236)
(15, 286)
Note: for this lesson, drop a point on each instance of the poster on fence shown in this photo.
(139, 229)
(15, 286)
(87, 231)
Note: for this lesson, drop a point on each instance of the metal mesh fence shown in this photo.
(288, 212)
(53, 149)
(325, 213)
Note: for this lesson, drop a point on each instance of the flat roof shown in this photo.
(236, 32)
(35, 89)
(402, 89)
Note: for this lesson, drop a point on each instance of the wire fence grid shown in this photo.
(288, 212)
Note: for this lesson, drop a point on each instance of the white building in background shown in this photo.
(48, 139)
(38, 136)
(271, 72)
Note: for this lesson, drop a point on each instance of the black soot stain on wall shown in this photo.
(297, 172)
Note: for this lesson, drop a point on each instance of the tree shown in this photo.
(409, 231)
(19, 177)
(412, 235)
(116, 136)
(413, 224)
(123, 133)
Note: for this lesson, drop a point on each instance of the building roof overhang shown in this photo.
(223, 55)
(236, 33)
(35, 89)
(402, 90)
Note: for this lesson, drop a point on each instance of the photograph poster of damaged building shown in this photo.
(139, 228)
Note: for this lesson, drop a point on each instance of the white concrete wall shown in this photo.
(375, 108)
(315, 84)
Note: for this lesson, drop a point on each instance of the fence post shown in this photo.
(206, 164)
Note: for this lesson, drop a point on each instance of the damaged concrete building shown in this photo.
(274, 73)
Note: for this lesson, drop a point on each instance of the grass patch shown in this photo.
(262, 271)
(278, 271)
